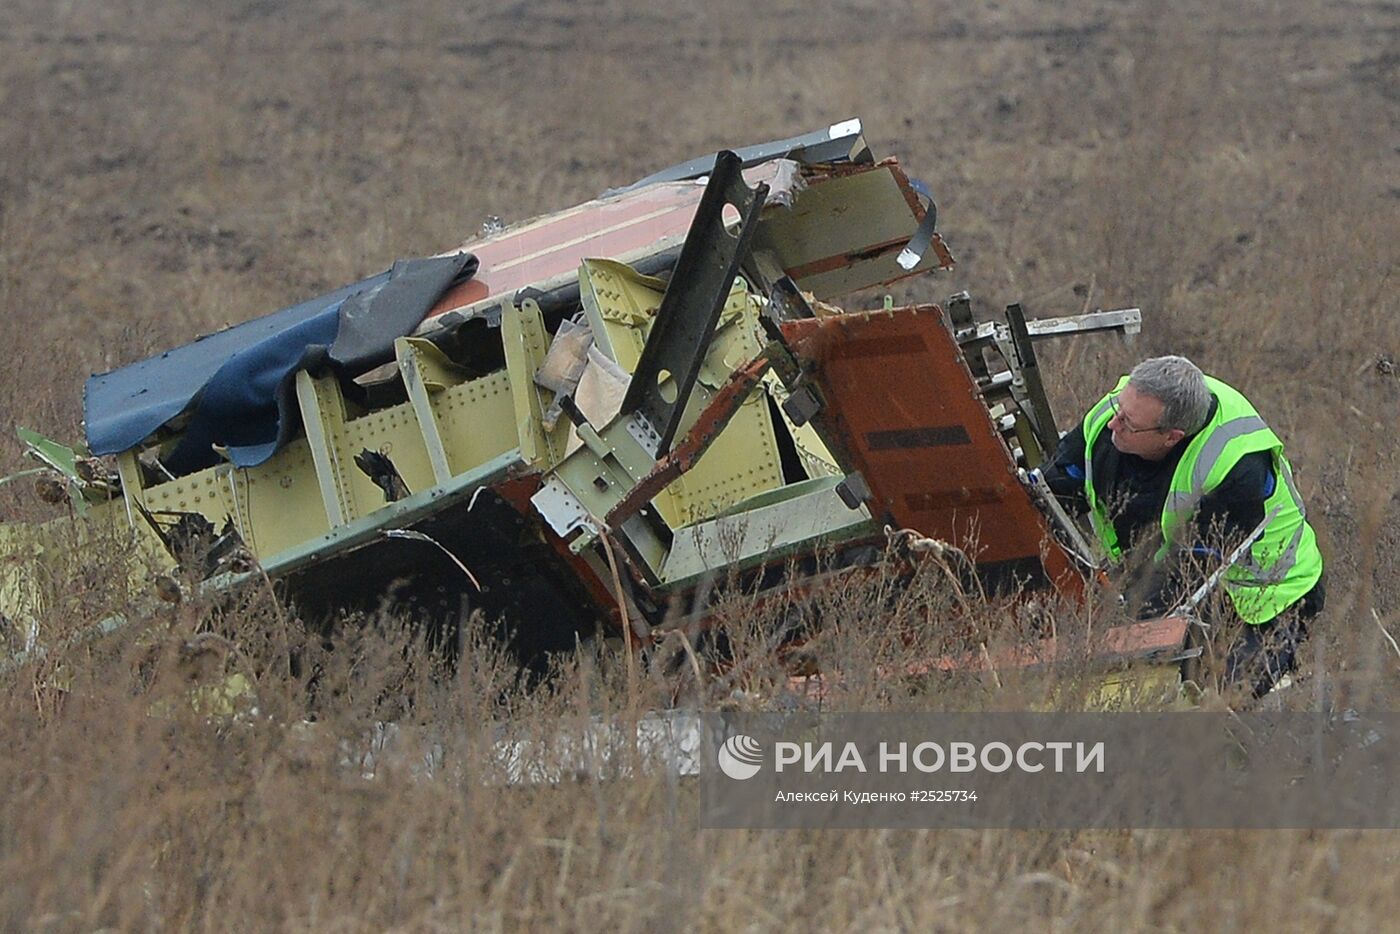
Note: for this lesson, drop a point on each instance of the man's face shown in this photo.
(1136, 426)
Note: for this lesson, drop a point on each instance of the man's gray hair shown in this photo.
(1181, 388)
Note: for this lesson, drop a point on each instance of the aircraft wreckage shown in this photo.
(581, 420)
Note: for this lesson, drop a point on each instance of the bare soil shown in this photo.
(168, 168)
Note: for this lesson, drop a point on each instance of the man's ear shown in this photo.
(1174, 436)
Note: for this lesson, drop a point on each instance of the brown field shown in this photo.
(166, 168)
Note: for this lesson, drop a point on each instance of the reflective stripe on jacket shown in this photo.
(1284, 563)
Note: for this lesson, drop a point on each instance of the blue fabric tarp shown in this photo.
(236, 385)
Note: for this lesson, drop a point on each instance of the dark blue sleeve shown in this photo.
(1065, 472)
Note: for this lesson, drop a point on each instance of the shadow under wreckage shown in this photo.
(581, 420)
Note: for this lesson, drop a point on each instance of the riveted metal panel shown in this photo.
(620, 304)
(905, 412)
(846, 229)
(810, 515)
(526, 343)
(393, 432)
(476, 422)
(277, 505)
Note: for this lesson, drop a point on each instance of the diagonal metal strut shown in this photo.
(690, 308)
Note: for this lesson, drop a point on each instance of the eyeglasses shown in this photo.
(1126, 426)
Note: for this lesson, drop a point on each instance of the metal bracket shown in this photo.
(323, 415)
(697, 441)
(1019, 387)
(786, 302)
(691, 306)
(426, 370)
(561, 509)
(1038, 410)
(854, 491)
(1127, 321)
(802, 405)
(526, 343)
(1078, 545)
(913, 252)
(960, 310)
(644, 432)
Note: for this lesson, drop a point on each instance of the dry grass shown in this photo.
(171, 167)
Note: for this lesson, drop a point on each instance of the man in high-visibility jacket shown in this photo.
(1172, 461)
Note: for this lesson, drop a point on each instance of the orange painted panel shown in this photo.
(904, 410)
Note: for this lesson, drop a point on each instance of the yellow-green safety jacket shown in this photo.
(1284, 563)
